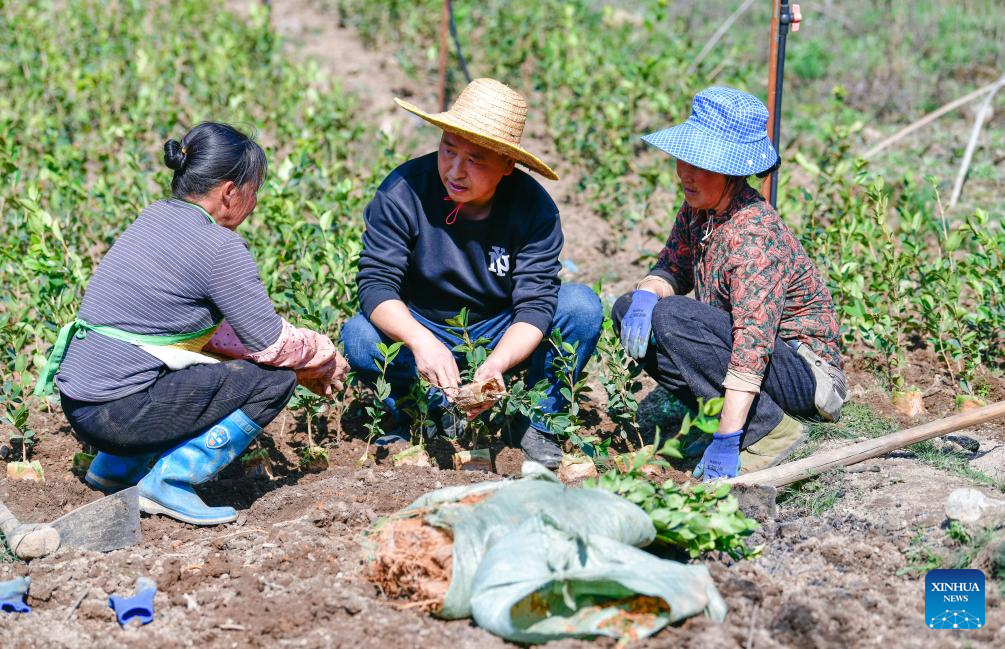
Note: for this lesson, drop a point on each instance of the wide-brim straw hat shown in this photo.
(490, 114)
(726, 133)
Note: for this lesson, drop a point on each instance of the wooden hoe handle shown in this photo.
(816, 464)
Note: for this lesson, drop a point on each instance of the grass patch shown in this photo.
(921, 556)
(815, 496)
(965, 544)
(863, 421)
(954, 462)
(857, 420)
(6, 556)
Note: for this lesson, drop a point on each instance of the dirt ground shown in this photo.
(291, 570)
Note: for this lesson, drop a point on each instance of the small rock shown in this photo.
(346, 603)
(970, 505)
(41, 590)
(745, 588)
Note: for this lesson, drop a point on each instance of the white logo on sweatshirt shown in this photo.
(499, 261)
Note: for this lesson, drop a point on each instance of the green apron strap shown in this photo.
(43, 387)
(80, 328)
(148, 339)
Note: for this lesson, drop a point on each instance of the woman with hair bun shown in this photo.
(179, 281)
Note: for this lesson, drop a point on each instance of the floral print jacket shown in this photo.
(749, 264)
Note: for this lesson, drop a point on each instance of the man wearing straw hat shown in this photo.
(463, 228)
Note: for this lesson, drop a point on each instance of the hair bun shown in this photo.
(174, 157)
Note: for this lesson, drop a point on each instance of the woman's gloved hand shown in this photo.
(638, 323)
(722, 457)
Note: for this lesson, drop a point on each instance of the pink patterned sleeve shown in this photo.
(297, 349)
(226, 343)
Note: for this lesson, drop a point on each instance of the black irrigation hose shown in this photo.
(457, 42)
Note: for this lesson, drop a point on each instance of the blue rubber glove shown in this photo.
(638, 323)
(12, 595)
(722, 457)
(138, 607)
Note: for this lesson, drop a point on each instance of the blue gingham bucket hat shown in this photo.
(726, 133)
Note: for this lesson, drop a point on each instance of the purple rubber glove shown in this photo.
(722, 457)
(638, 323)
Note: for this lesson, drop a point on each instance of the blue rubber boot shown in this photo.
(168, 490)
(110, 473)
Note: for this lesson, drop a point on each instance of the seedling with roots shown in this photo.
(475, 353)
(574, 388)
(620, 372)
(381, 392)
(311, 455)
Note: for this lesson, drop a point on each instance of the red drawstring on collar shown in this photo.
(452, 216)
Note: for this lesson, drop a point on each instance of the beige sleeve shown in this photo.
(656, 284)
(742, 381)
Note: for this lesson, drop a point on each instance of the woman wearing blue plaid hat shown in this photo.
(761, 329)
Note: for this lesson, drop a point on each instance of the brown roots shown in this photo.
(413, 561)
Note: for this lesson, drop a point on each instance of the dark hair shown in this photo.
(212, 153)
(772, 169)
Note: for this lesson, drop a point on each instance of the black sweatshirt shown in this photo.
(508, 260)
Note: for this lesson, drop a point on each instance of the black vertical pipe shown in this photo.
(784, 19)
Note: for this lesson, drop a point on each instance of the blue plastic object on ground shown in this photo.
(140, 606)
(12, 595)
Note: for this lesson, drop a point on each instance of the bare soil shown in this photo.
(292, 571)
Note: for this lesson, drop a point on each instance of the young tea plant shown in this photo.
(574, 389)
(312, 456)
(16, 387)
(381, 391)
(415, 405)
(620, 372)
(475, 353)
(474, 350)
(523, 400)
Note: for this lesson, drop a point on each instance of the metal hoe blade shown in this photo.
(107, 524)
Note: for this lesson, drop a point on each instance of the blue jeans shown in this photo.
(690, 356)
(578, 317)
